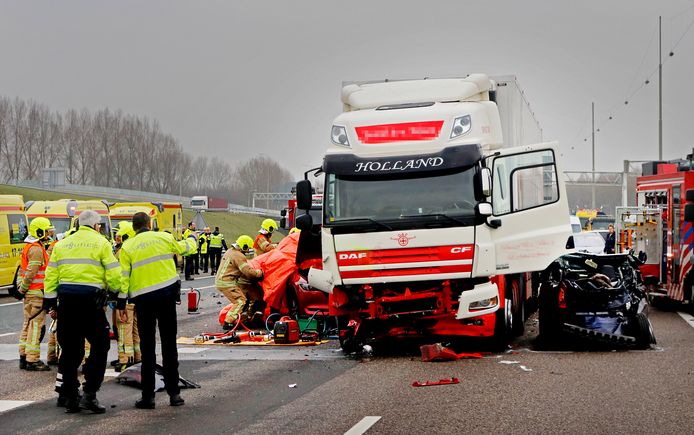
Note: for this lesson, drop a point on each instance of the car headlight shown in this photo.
(339, 136)
(460, 126)
(484, 304)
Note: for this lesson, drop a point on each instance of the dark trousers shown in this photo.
(196, 259)
(204, 262)
(152, 308)
(190, 266)
(78, 319)
(215, 258)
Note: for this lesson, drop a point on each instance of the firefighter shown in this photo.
(203, 244)
(128, 336)
(217, 242)
(153, 285)
(262, 242)
(235, 278)
(31, 280)
(80, 270)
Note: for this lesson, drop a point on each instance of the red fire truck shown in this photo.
(289, 214)
(658, 227)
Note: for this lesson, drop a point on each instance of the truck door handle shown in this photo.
(494, 223)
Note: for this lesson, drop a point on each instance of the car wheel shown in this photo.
(643, 331)
(549, 321)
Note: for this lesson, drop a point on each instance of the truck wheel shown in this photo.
(643, 331)
(517, 307)
(503, 326)
(348, 340)
(548, 316)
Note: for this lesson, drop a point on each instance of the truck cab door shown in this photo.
(530, 217)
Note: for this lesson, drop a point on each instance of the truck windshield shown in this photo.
(398, 203)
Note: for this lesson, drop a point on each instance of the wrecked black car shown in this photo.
(597, 299)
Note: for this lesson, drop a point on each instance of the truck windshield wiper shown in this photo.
(362, 220)
(443, 215)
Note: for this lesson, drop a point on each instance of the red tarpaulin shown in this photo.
(277, 265)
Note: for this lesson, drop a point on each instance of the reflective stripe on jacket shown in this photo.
(82, 264)
(147, 262)
(262, 244)
(32, 272)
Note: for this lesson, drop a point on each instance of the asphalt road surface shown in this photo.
(247, 390)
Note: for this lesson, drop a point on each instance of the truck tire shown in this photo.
(515, 294)
(643, 331)
(548, 316)
(348, 342)
(503, 326)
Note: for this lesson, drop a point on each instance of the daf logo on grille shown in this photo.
(403, 239)
(352, 256)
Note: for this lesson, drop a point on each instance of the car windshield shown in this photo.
(60, 224)
(405, 202)
(588, 240)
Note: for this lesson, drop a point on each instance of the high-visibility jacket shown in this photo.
(186, 233)
(262, 244)
(83, 264)
(233, 268)
(202, 241)
(147, 262)
(216, 240)
(32, 272)
(191, 245)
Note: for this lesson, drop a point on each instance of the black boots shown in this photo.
(38, 366)
(22, 363)
(176, 400)
(145, 403)
(90, 403)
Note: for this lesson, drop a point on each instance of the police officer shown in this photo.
(235, 281)
(31, 280)
(80, 270)
(153, 285)
(217, 242)
(262, 243)
(203, 244)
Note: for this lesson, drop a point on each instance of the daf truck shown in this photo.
(440, 198)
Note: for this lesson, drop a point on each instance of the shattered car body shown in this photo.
(600, 298)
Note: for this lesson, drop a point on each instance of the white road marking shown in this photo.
(8, 333)
(364, 425)
(111, 373)
(687, 318)
(192, 349)
(6, 405)
(11, 303)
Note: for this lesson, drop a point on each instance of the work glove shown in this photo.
(50, 304)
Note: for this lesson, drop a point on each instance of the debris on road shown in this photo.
(526, 369)
(439, 352)
(292, 385)
(446, 381)
(508, 362)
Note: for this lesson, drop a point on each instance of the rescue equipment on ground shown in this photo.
(286, 331)
(439, 352)
(193, 301)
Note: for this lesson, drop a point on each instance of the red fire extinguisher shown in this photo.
(193, 300)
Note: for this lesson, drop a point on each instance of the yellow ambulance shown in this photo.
(63, 213)
(166, 216)
(13, 231)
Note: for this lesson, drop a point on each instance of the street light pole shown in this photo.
(660, 89)
(592, 112)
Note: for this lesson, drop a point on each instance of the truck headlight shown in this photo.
(339, 136)
(484, 304)
(460, 126)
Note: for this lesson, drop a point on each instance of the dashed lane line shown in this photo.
(7, 405)
(687, 318)
(363, 425)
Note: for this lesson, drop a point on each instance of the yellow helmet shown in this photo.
(268, 225)
(125, 230)
(244, 243)
(39, 227)
(294, 230)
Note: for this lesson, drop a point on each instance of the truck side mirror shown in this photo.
(283, 212)
(283, 222)
(484, 209)
(486, 181)
(304, 222)
(689, 212)
(303, 195)
(570, 243)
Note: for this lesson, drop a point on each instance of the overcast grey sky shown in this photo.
(238, 78)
